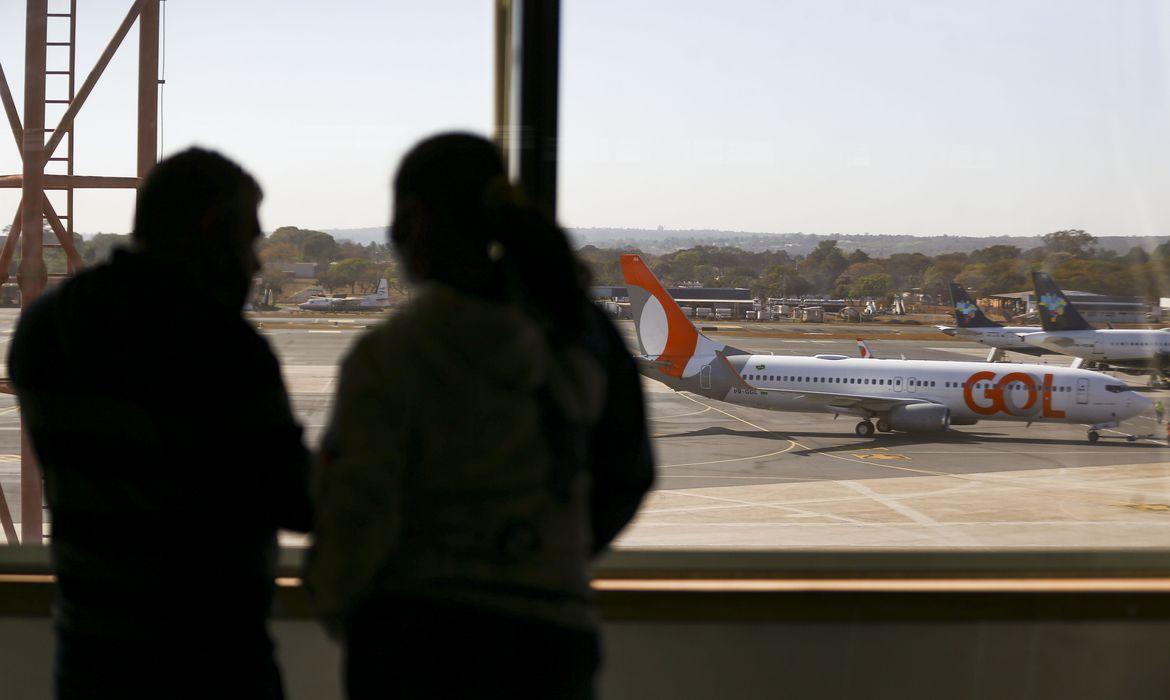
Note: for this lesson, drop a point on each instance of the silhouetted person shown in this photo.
(169, 450)
(487, 441)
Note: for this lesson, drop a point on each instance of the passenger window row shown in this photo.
(1017, 386)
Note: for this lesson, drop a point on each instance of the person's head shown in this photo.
(439, 226)
(198, 210)
(457, 220)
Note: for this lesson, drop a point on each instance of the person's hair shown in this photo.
(484, 239)
(189, 197)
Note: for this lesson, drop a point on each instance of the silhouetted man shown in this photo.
(169, 451)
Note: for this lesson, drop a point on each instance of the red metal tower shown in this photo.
(38, 146)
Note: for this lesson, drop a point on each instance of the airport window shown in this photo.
(309, 114)
(647, 120)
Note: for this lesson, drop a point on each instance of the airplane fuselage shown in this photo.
(971, 391)
(1144, 348)
(1002, 337)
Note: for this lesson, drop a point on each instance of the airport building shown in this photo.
(718, 301)
(1096, 308)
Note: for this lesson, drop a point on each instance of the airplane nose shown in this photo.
(1136, 404)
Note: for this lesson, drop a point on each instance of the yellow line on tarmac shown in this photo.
(791, 443)
(818, 451)
(680, 415)
(733, 459)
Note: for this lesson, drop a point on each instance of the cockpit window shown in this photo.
(1115, 388)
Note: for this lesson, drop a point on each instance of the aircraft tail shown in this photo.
(1056, 312)
(967, 314)
(383, 289)
(863, 350)
(665, 334)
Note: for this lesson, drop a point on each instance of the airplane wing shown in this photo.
(1061, 340)
(853, 404)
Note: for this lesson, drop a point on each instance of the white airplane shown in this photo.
(378, 300)
(973, 325)
(1065, 331)
(905, 395)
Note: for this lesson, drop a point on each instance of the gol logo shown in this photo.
(998, 397)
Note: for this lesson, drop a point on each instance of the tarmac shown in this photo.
(733, 477)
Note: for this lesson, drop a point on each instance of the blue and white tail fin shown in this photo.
(1056, 312)
(383, 292)
(967, 314)
(665, 335)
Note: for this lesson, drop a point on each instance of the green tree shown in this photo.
(101, 246)
(319, 248)
(282, 251)
(372, 274)
(857, 256)
(311, 246)
(330, 280)
(1075, 242)
(938, 277)
(907, 269)
(823, 265)
(873, 286)
(272, 277)
(995, 253)
(349, 272)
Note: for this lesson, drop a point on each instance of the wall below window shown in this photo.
(1001, 660)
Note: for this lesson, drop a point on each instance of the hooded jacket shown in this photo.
(469, 461)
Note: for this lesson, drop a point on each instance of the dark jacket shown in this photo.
(169, 452)
(467, 460)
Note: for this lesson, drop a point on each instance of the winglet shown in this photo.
(863, 350)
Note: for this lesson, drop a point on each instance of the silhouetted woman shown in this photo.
(487, 441)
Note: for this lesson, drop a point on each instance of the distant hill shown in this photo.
(880, 245)
(359, 235)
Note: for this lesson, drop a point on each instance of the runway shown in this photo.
(732, 477)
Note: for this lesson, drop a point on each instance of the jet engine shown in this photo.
(920, 418)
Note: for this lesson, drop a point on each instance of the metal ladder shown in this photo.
(66, 219)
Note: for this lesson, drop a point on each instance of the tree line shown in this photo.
(1073, 257)
(341, 264)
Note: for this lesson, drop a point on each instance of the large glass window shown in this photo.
(857, 159)
(318, 102)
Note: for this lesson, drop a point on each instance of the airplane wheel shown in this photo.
(864, 429)
(883, 425)
(1094, 436)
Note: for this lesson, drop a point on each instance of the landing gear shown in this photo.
(1094, 436)
(864, 429)
(883, 425)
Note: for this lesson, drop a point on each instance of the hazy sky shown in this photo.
(999, 117)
